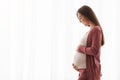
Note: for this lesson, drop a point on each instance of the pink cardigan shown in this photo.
(92, 51)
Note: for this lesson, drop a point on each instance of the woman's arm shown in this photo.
(96, 44)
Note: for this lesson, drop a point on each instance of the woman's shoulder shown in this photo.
(96, 28)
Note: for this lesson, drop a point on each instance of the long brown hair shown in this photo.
(90, 15)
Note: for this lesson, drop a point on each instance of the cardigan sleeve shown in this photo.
(96, 44)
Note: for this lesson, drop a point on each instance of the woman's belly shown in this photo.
(80, 60)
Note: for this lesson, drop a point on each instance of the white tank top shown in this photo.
(80, 58)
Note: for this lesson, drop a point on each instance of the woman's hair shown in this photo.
(90, 15)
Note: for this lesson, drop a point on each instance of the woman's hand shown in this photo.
(75, 67)
(78, 48)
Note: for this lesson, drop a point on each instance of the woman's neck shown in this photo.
(91, 25)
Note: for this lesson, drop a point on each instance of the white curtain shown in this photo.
(38, 38)
(25, 39)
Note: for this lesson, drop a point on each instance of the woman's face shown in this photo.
(83, 19)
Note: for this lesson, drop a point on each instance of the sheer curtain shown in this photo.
(38, 38)
(25, 39)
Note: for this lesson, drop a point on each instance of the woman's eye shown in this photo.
(80, 18)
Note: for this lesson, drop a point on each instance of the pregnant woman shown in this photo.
(87, 58)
